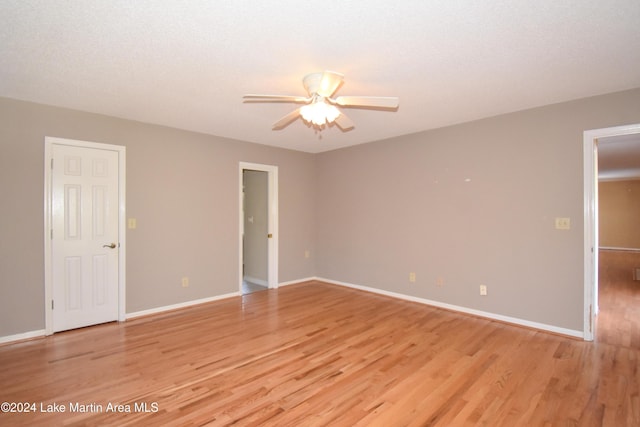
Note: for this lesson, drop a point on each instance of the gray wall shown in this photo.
(471, 204)
(182, 188)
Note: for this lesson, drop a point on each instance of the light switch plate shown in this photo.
(563, 223)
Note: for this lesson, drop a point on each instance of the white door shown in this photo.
(84, 245)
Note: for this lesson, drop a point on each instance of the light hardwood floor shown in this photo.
(619, 320)
(318, 354)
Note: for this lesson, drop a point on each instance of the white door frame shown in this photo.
(49, 142)
(590, 146)
(272, 201)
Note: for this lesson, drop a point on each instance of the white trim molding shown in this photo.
(451, 307)
(590, 253)
(272, 196)
(122, 256)
(457, 308)
(296, 282)
(185, 304)
(23, 336)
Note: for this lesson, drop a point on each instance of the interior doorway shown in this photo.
(258, 227)
(84, 235)
(591, 141)
(255, 238)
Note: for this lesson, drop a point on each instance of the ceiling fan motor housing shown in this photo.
(312, 82)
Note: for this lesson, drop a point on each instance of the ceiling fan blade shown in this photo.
(275, 98)
(344, 122)
(329, 83)
(367, 101)
(283, 122)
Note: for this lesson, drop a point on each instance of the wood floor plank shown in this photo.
(318, 354)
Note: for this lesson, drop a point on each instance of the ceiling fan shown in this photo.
(320, 108)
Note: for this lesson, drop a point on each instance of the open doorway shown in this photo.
(258, 227)
(604, 155)
(255, 268)
(618, 288)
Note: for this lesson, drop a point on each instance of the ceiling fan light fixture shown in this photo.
(319, 113)
(321, 108)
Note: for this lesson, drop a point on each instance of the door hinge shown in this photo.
(51, 304)
(51, 163)
(52, 234)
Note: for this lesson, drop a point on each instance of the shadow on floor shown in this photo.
(250, 287)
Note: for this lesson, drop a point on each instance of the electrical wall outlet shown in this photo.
(483, 290)
(440, 281)
(412, 277)
(185, 282)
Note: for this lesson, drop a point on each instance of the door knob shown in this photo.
(112, 246)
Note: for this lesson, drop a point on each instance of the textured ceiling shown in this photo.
(186, 64)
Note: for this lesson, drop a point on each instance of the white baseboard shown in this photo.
(613, 248)
(295, 282)
(180, 305)
(22, 336)
(41, 333)
(479, 313)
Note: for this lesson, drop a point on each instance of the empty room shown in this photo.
(319, 214)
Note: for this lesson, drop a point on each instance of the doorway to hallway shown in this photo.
(258, 227)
